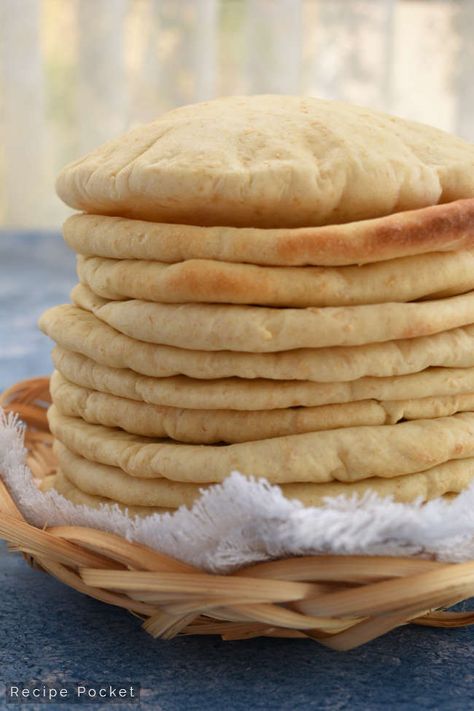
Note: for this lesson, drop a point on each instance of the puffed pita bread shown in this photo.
(259, 329)
(211, 426)
(442, 228)
(266, 161)
(349, 454)
(208, 281)
(251, 395)
(85, 478)
(66, 488)
(80, 331)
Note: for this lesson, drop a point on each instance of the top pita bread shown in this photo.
(270, 161)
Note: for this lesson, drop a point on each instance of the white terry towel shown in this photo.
(243, 521)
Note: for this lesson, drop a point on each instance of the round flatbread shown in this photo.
(345, 455)
(111, 482)
(257, 329)
(441, 228)
(252, 395)
(211, 426)
(270, 161)
(90, 477)
(80, 331)
(445, 480)
(209, 281)
(60, 483)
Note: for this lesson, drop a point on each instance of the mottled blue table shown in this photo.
(50, 633)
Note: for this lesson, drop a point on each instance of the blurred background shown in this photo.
(74, 73)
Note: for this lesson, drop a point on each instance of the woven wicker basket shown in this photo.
(340, 601)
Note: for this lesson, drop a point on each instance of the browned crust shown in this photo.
(433, 275)
(446, 227)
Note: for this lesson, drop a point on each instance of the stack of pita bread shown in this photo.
(275, 285)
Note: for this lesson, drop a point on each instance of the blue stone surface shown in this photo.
(52, 634)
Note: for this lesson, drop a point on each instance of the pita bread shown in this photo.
(66, 488)
(186, 393)
(205, 426)
(270, 161)
(448, 478)
(441, 228)
(111, 482)
(80, 331)
(211, 426)
(87, 478)
(252, 395)
(349, 454)
(258, 329)
(427, 408)
(209, 281)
